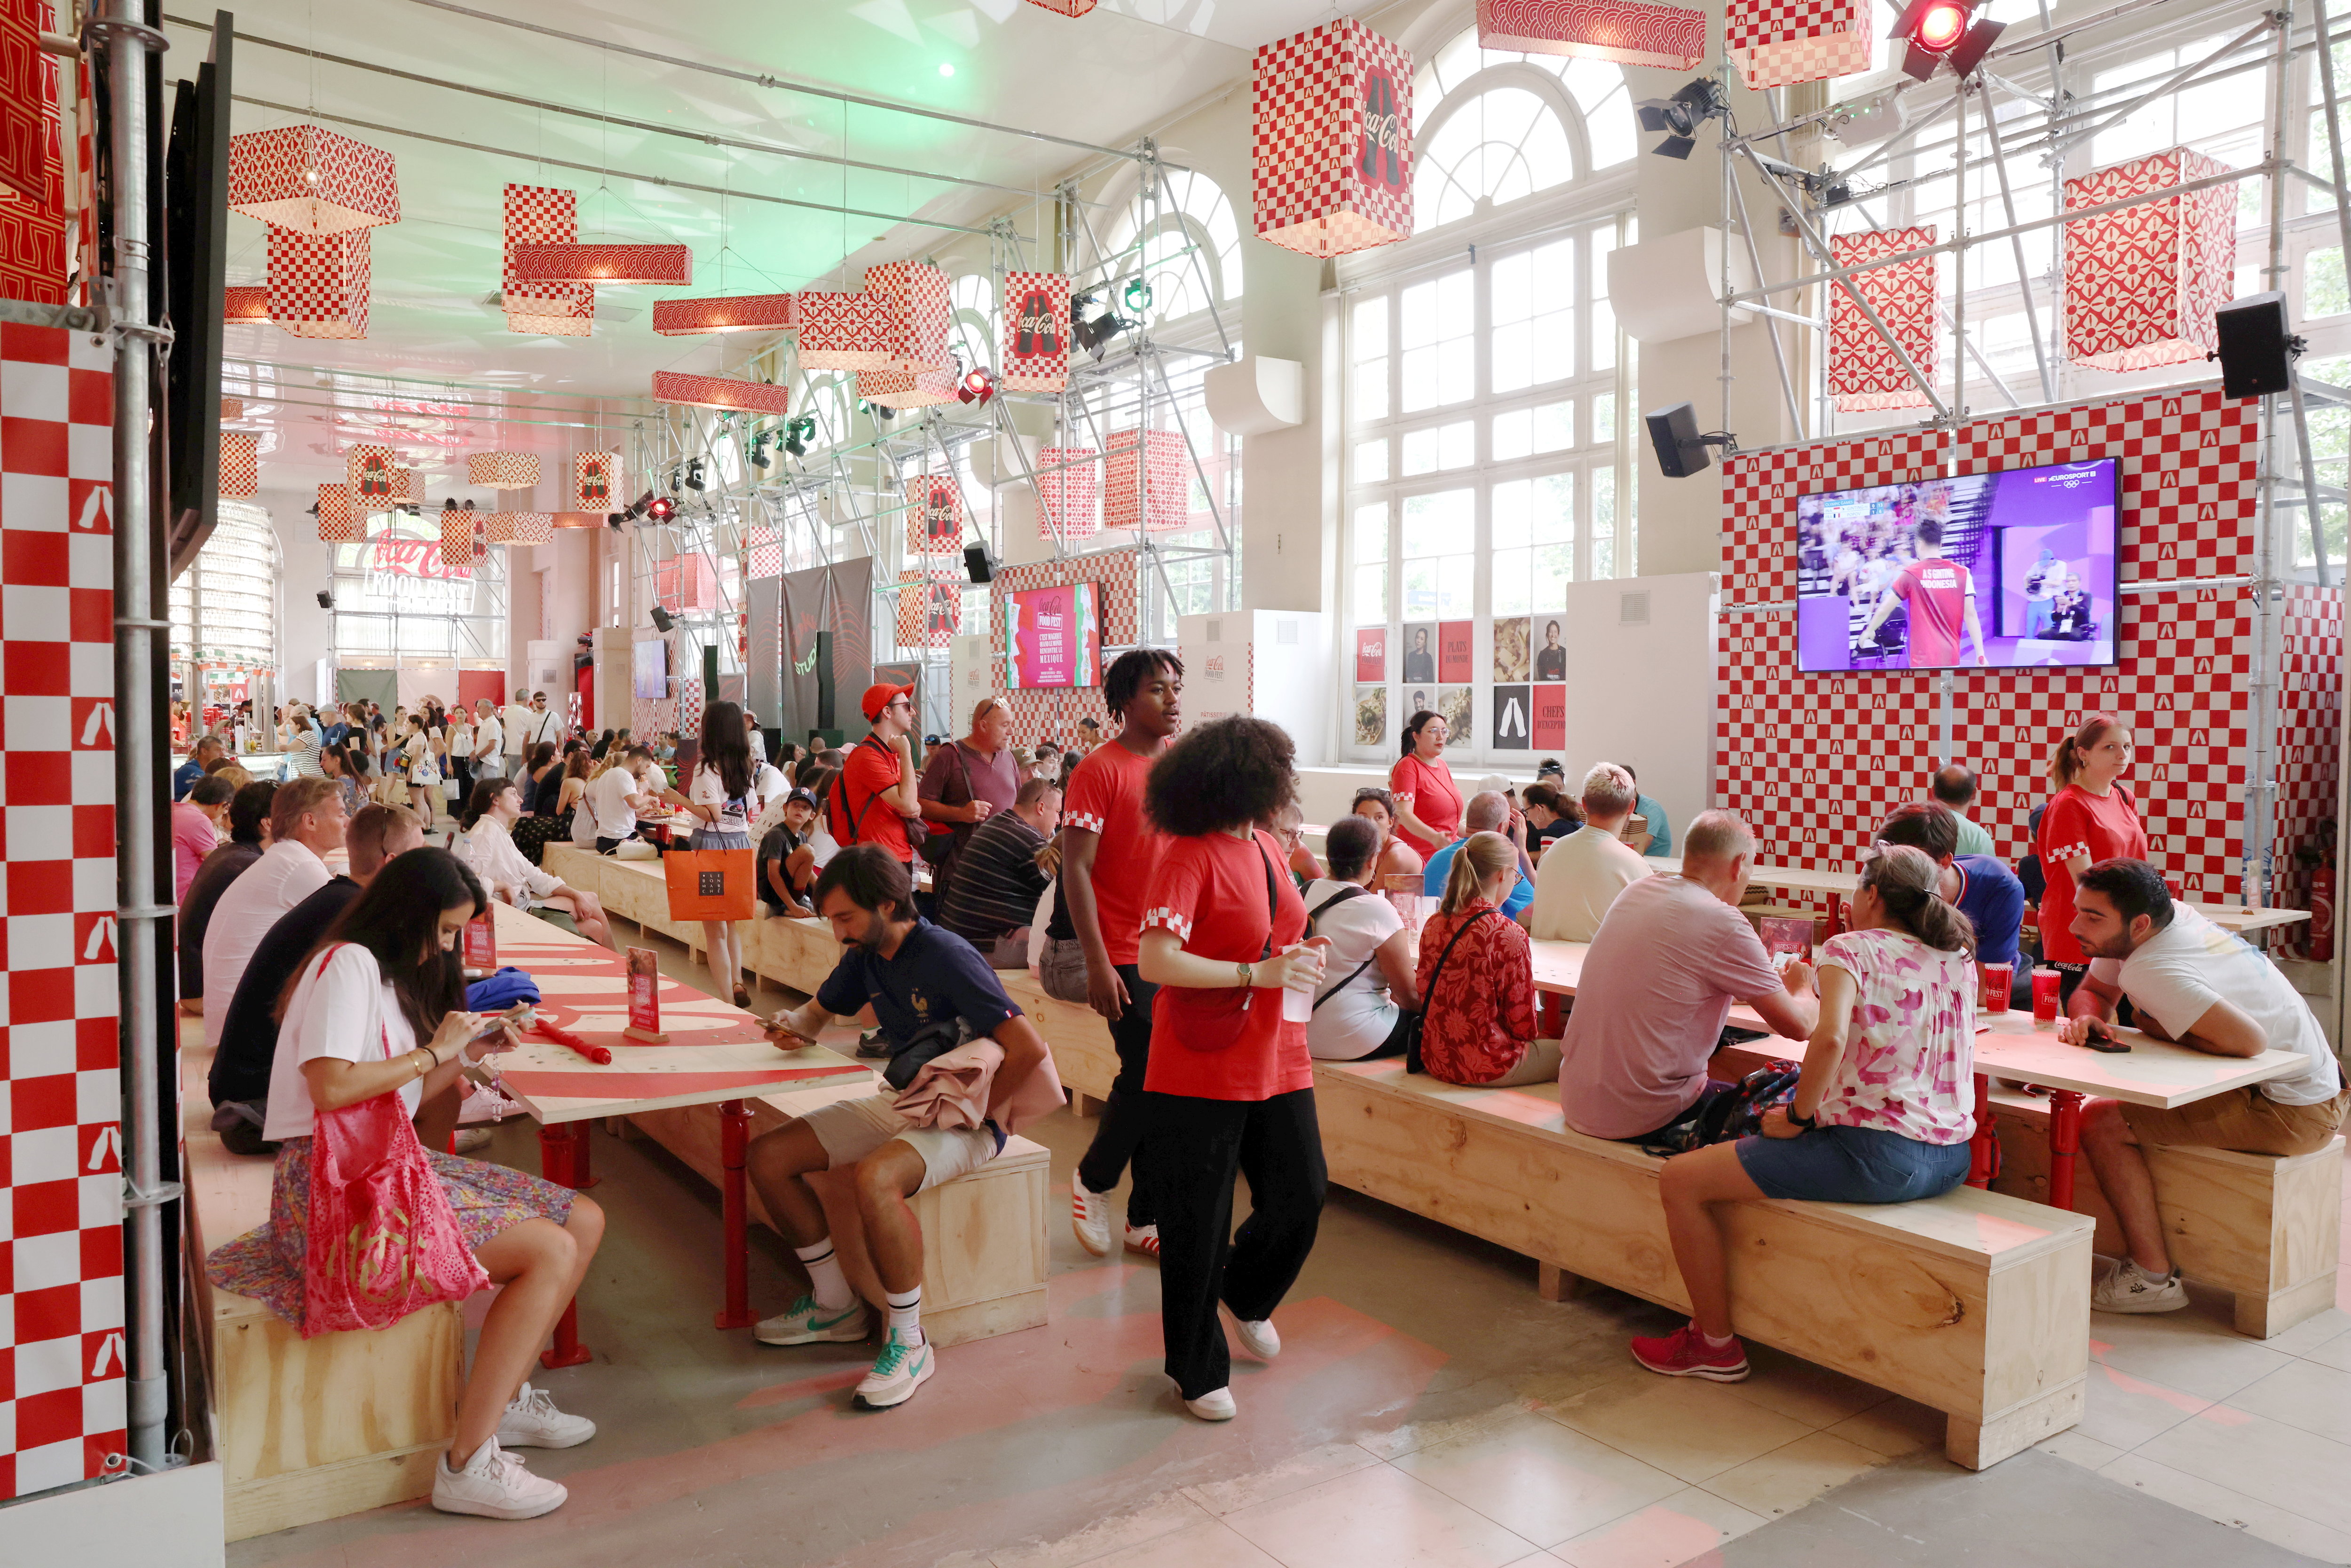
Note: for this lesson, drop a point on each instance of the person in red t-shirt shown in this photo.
(2092, 818)
(1230, 1083)
(1941, 594)
(1427, 801)
(1108, 850)
(875, 795)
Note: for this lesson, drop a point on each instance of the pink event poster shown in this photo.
(1371, 654)
(1054, 636)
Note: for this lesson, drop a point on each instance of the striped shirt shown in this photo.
(997, 879)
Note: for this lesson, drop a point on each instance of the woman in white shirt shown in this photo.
(724, 793)
(1368, 992)
(417, 761)
(385, 980)
(488, 847)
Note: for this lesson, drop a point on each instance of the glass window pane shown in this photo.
(1552, 508)
(1457, 370)
(1420, 590)
(1368, 322)
(1603, 336)
(1457, 444)
(1513, 434)
(1514, 582)
(1371, 398)
(1371, 531)
(1603, 522)
(1456, 588)
(1438, 524)
(1554, 426)
(1419, 452)
(1603, 418)
(1371, 463)
(1510, 507)
(1372, 594)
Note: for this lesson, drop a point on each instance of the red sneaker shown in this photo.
(1684, 1353)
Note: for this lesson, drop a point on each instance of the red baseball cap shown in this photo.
(878, 697)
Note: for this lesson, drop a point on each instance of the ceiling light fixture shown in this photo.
(693, 473)
(661, 509)
(799, 433)
(1692, 105)
(1939, 30)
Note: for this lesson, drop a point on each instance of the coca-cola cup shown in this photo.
(2171, 884)
(2044, 995)
(1997, 981)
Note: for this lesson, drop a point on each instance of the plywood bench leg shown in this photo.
(1979, 1445)
(2263, 1316)
(1553, 1283)
(1079, 1105)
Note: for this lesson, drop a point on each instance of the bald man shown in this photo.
(1487, 811)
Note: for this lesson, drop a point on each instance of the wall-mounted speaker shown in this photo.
(2256, 351)
(977, 565)
(1674, 433)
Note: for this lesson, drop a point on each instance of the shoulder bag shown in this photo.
(1411, 1030)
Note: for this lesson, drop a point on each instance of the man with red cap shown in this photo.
(873, 798)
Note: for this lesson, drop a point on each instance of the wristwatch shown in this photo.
(1807, 1123)
(1245, 975)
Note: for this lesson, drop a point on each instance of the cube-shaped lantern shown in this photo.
(543, 215)
(2142, 285)
(460, 539)
(1069, 488)
(718, 392)
(595, 481)
(1064, 7)
(1033, 354)
(369, 473)
(763, 551)
(1864, 372)
(686, 585)
(240, 471)
(319, 283)
(245, 302)
(906, 388)
(338, 519)
(1630, 32)
(845, 332)
(232, 409)
(1775, 43)
(308, 179)
(1330, 112)
(1146, 485)
(934, 515)
(406, 488)
(558, 262)
(930, 612)
(516, 527)
(502, 470)
(742, 313)
(916, 297)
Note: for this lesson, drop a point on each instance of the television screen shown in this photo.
(1053, 637)
(2013, 570)
(651, 670)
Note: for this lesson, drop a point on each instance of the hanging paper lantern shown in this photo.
(460, 541)
(906, 388)
(310, 180)
(240, 470)
(564, 263)
(916, 298)
(1035, 356)
(516, 527)
(502, 470)
(1069, 485)
(543, 215)
(369, 473)
(1775, 43)
(339, 520)
(743, 313)
(578, 519)
(717, 392)
(1064, 7)
(1153, 494)
(405, 486)
(319, 283)
(1330, 117)
(844, 332)
(1626, 31)
(930, 612)
(686, 584)
(499, 528)
(763, 551)
(595, 481)
(243, 302)
(2142, 285)
(934, 515)
(1863, 372)
(232, 409)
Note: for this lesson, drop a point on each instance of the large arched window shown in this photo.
(1495, 127)
(224, 606)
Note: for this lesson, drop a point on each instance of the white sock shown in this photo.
(906, 1313)
(826, 1281)
(1714, 1344)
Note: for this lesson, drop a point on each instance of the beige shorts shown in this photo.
(851, 1129)
(2244, 1120)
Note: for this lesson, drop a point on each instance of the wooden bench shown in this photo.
(633, 889)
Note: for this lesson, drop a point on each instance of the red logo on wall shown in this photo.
(1039, 329)
(1372, 653)
(1381, 163)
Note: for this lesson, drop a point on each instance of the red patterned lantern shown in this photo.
(543, 215)
(245, 302)
(916, 298)
(1069, 485)
(310, 180)
(1035, 355)
(319, 283)
(561, 262)
(595, 481)
(577, 520)
(404, 487)
(232, 409)
(240, 469)
(906, 388)
(1332, 122)
(934, 515)
(1064, 7)
(930, 612)
(745, 313)
(2142, 285)
(516, 527)
(687, 585)
(1775, 43)
(461, 543)
(502, 470)
(368, 471)
(338, 519)
(763, 552)
(717, 392)
(845, 332)
(1626, 31)
(1863, 370)
(1146, 488)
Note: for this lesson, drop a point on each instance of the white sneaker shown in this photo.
(1260, 1338)
(805, 1322)
(495, 1485)
(1216, 1405)
(2127, 1288)
(1089, 1217)
(532, 1421)
(473, 1140)
(898, 1371)
(1143, 1238)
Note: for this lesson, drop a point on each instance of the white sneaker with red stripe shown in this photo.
(1143, 1238)
(1089, 1217)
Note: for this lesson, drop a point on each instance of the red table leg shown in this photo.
(563, 1160)
(733, 1138)
(1983, 1148)
(2064, 1143)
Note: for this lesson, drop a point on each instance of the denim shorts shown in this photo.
(1852, 1164)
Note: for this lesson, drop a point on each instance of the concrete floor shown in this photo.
(1428, 1409)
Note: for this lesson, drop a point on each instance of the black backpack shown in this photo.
(1737, 1114)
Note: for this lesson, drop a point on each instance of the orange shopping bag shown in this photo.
(709, 884)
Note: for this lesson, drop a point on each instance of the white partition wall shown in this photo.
(1275, 664)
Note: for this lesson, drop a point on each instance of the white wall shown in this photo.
(306, 634)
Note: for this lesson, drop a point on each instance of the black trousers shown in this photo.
(1194, 1147)
(461, 768)
(1118, 1139)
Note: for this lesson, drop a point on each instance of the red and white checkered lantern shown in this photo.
(1626, 31)
(232, 409)
(1153, 494)
(595, 481)
(1064, 7)
(1068, 487)
(718, 392)
(2142, 285)
(1332, 117)
(310, 180)
(930, 612)
(578, 519)
(245, 302)
(1775, 43)
(461, 540)
(240, 469)
(916, 298)
(369, 473)
(1034, 352)
(845, 332)
(405, 486)
(743, 313)
(933, 515)
(516, 527)
(338, 519)
(502, 470)
(543, 215)
(1863, 372)
(319, 283)
(557, 262)
(906, 388)
(763, 551)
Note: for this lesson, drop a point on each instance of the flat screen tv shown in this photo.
(651, 676)
(1053, 637)
(2012, 571)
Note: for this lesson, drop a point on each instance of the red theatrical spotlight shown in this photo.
(1939, 30)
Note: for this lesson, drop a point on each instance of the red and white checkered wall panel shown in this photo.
(1037, 715)
(2309, 739)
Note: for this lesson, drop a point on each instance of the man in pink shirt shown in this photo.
(1670, 956)
(195, 829)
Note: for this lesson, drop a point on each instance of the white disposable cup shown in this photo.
(1297, 1006)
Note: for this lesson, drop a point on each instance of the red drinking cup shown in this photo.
(2044, 995)
(1997, 981)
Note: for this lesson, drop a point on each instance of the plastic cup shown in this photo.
(2171, 885)
(1998, 979)
(1297, 1006)
(2044, 995)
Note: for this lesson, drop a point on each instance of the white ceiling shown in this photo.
(467, 383)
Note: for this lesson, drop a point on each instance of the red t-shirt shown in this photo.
(1106, 799)
(871, 769)
(2103, 827)
(1436, 799)
(1936, 591)
(1229, 1043)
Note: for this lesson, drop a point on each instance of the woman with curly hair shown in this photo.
(1229, 1086)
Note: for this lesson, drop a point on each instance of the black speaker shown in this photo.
(2256, 351)
(976, 564)
(1674, 433)
(662, 622)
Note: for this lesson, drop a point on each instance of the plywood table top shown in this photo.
(1557, 967)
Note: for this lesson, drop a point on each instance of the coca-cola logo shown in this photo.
(1382, 159)
(595, 486)
(411, 558)
(374, 478)
(1039, 326)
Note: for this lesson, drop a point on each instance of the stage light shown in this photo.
(1692, 105)
(661, 509)
(976, 387)
(693, 473)
(758, 455)
(1939, 30)
(1137, 296)
(798, 434)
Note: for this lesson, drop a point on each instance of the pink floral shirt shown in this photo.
(1909, 1051)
